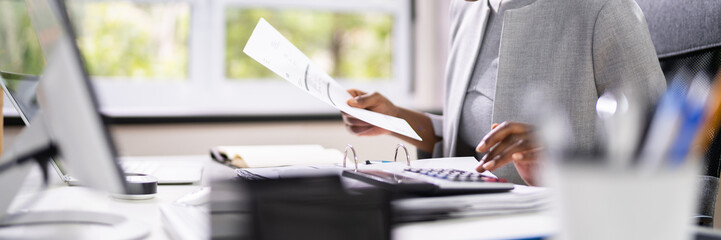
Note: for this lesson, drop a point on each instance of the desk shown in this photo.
(62, 197)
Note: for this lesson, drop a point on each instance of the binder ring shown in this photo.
(408, 158)
(355, 157)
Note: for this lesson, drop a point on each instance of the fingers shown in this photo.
(526, 155)
(518, 149)
(367, 100)
(358, 129)
(352, 121)
(361, 128)
(355, 92)
(369, 130)
(371, 101)
(373, 131)
(506, 142)
(504, 145)
(500, 133)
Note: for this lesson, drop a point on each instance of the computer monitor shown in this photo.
(70, 107)
(20, 90)
(68, 123)
(68, 120)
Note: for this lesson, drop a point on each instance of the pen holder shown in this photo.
(597, 202)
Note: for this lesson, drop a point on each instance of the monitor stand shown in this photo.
(34, 142)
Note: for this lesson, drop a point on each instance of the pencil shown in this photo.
(712, 118)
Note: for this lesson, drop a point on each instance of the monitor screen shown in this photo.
(21, 62)
(20, 90)
(68, 103)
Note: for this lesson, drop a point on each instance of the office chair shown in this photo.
(687, 37)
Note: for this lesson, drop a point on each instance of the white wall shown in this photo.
(431, 33)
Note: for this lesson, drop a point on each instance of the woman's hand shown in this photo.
(376, 102)
(371, 101)
(510, 142)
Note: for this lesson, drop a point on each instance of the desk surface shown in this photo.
(62, 197)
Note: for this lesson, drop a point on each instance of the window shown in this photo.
(139, 41)
(19, 48)
(184, 57)
(353, 46)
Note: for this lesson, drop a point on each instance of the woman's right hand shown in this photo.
(372, 101)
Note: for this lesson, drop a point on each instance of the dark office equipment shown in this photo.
(297, 208)
(687, 37)
(702, 233)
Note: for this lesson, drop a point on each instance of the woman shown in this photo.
(501, 48)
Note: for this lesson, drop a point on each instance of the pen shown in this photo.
(369, 162)
(712, 118)
(692, 113)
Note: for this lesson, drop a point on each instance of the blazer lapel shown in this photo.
(469, 30)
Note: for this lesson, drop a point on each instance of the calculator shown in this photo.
(430, 181)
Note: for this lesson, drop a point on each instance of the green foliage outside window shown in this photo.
(141, 41)
(354, 46)
(146, 41)
(19, 48)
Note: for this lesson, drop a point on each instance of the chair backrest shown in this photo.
(679, 27)
(687, 38)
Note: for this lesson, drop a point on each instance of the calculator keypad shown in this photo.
(454, 175)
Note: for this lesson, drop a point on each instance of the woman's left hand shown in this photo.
(511, 142)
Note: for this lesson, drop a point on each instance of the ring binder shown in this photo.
(355, 157)
(408, 158)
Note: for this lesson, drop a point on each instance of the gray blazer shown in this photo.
(578, 48)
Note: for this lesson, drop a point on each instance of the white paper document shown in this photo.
(520, 199)
(267, 46)
(280, 155)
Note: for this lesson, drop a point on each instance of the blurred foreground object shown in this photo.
(605, 203)
(2, 122)
(297, 208)
(640, 202)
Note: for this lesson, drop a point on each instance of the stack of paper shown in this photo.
(521, 199)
